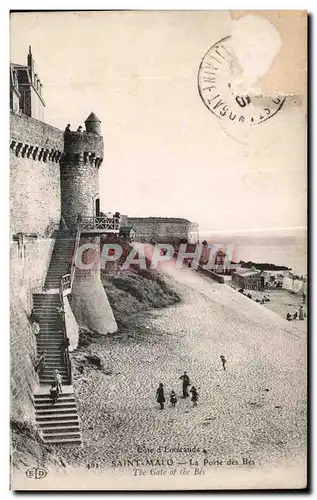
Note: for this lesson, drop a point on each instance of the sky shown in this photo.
(166, 154)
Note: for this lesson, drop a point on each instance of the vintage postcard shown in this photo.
(158, 250)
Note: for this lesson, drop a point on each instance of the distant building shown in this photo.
(127, 233)
(26, 89)
(172, 230)
(250, 279)
(220, 264)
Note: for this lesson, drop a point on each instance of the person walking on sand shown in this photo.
(173, 399)
(58, 381)
(223, 361)
(160, 398)
(301, 313)
(186, 383)
(195, 395)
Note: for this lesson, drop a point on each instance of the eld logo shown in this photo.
(35, 473)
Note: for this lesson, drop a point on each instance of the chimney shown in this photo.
(31, 63)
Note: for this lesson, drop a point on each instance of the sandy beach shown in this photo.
(256, 408)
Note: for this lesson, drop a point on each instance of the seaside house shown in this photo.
(250, 279)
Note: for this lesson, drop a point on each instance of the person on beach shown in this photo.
(173, 398)
(160, 398)
(58, 381)
(186, 383)
(295, 315)
(194, 395)
(301, 313)
(289, 317)
(223, 361)
(54, 392)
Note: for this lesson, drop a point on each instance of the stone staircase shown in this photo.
(61, 259)
(58, 423)
(50, 336)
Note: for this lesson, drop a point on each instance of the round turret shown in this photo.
(92, 124)
(83, 155)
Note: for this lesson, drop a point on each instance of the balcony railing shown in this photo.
(65, 286)
(100, 224)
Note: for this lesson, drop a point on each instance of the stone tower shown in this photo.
(83, 155)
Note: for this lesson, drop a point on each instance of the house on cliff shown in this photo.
(26, 89)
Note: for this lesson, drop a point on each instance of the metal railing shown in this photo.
(65, 286)
(66, 352)
(102, 223)
(73, 268)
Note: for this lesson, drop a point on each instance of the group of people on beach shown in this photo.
(260, 301)
(160, 396)
(297, 315)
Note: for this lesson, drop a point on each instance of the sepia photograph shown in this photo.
(158, 250)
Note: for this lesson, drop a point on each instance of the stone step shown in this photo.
(58, 423)
(61, 401)
(56, 411)
(59, 405)
(61, 429)
(62, 436)
(51, 419)
(47, 399)
(58, 356)
(53, 357)
(50, 371)
(49, 343)
(50, 340)
(50, 336)
(46, 299)
(44, 396)
(49, 379)
(50, 347)
(64, 441)
(55, 362)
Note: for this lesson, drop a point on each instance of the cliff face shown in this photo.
(23, 356)
(28, 265)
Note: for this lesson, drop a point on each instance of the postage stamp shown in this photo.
(216, 89)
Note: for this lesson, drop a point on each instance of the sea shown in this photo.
(289, 251)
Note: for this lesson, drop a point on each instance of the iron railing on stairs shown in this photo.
(73, 268)
(65, 289)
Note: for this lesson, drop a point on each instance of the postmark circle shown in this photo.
(215, 85)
